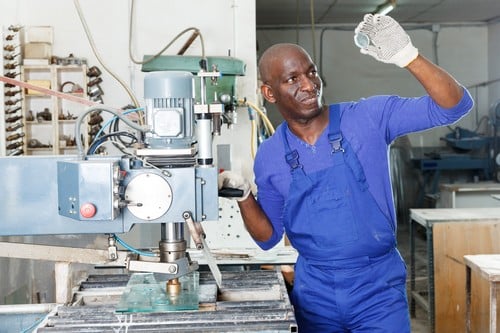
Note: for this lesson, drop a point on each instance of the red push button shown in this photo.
(87, 210)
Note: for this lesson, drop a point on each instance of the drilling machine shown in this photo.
(169, 178)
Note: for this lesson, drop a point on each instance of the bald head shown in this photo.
(290, 80)
(276, 55)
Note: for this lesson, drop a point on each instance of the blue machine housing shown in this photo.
(39, 191)
(94, 183)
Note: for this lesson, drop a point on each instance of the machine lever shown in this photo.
(229, 192)
(198, 236)
(195, 229)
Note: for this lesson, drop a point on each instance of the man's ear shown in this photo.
(268, 94)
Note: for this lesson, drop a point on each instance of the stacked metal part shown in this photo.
(94, 92)
(14, 132)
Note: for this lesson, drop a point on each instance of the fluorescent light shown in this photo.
(386, 7)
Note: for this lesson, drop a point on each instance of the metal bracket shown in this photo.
(173, 270)
(61, 254)
(195, 229)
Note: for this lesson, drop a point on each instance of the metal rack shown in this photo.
(37, 123)
(12, 118)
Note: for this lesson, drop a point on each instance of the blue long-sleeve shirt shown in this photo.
(370, 125)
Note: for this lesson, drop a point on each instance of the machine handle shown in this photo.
(228, 192)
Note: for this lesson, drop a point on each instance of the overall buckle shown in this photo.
(335, 142)
(292, 159)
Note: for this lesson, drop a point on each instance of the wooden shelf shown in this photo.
(53, 130)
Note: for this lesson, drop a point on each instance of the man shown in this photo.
(323, 178)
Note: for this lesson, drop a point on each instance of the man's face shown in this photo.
(295, 86)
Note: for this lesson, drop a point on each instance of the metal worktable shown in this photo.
(427, 218)
(469, 195)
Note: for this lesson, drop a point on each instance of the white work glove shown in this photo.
(384, 39)
(228, 179)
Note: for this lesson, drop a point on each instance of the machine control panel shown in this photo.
(89, 190)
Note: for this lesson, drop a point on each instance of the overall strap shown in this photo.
(336, 141)
(291, 156)
(334, 134)
(350, 157)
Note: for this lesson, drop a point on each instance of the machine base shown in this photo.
(249, 301)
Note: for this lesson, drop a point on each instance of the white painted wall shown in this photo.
(227, 26)
(349, 75)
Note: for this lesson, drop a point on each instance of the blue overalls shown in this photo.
(349, 276)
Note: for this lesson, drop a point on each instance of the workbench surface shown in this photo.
(488, 265)
(434, 215)
(471, 187)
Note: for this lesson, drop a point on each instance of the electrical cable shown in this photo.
(252, 138)
(116, 129)
(81, 117)
(115, 126)
(196, 30)
(435, 36)
(269, 128)
(297, 21)
(94, 49)
(132, 249)
(101, 130)
(252, 133)
(97, 143)
(327, 11)
(311, 9)
(262, 115)
(263, 132)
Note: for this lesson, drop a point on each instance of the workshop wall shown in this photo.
(350, 75)
(227, 28)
